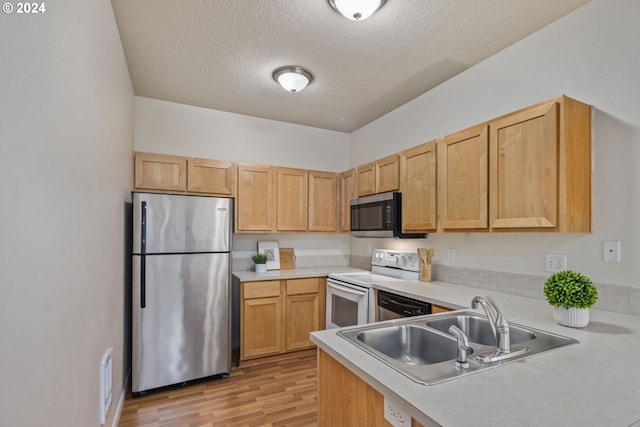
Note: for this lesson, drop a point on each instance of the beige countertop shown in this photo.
(593, 383)
(294, 273)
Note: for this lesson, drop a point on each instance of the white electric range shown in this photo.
(350, 296)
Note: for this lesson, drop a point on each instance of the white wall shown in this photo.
(592, 55)
(170, 128)
(66, 135)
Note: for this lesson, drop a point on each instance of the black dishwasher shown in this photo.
(393, 306)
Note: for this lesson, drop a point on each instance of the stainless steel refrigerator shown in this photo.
(181, 289)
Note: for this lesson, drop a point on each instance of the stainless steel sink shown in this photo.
(409, 344)
(421, 349)
(478, 329)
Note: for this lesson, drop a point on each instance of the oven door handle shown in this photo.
(347, 290)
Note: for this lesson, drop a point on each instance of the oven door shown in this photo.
(347, 305)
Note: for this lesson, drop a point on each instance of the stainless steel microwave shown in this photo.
(379, 215)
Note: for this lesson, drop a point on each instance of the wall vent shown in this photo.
(106, 382)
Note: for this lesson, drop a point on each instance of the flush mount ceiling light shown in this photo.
(292, 78)
(356, 10)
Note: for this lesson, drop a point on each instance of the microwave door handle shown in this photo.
(347, 290)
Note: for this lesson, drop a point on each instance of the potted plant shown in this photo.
(571, 294)
(261, 262)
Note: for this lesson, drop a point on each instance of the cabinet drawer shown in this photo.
(303, 286)
(264, 289)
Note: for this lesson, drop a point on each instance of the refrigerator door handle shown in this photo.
(143, 250)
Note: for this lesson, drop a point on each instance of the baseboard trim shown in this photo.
(123, 395)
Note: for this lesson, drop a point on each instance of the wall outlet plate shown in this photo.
(396, 416)
(555, 262)
(451, 256)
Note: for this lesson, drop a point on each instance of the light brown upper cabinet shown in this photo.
(366, 179)
(348, 191)
(323, 201)
(307, 200)
(379, 177)
(255, 207)
(463, 168)
(418, 186)
(159, 172)
(293, 199)
(211, 176)
(540, 168)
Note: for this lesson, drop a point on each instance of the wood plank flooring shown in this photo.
(275, 391)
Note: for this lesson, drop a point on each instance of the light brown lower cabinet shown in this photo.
(435, 308)
(345, 399)
(305, 297)
(261, 319)
(276, 316)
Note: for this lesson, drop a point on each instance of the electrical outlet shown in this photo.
(611, 251)
(555, 262)
(396, 416)
(452, 256)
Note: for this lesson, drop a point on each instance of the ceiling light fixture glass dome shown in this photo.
(356, 10)
(292, 78)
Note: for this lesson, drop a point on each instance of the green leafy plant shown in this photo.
(259, 258)
(569, 289)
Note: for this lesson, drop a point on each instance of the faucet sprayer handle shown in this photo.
(463, 346)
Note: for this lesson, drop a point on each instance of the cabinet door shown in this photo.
(463, 169)
(254, 203)
(348, 191)
(211, 176)
(524, 169)
(366, 179)
(323, 201)
(302, 312)
(262, 317)
(388, 174)
(302, 318)
(344, 398)
(418, 185)
(159, 172)
(262, 330)
(293, 199)
(439, 309)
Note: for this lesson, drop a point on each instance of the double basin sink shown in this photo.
(424, 350)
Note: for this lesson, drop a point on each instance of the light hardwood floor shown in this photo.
(274, 391)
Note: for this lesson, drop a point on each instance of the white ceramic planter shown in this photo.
(572, 317)
(261, 268)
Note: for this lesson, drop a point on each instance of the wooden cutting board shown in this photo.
(287, 259)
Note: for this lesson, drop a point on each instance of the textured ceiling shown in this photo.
(220, 54)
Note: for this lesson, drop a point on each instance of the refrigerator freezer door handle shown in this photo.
(143, 228)
(143, 250)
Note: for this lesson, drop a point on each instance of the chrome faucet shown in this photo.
(499, 325)
(463, 346)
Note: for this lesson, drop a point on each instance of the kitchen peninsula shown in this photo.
(593, 383)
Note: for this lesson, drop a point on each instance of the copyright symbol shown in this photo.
(7, 8)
